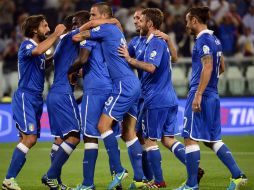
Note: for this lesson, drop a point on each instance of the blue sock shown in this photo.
(154, 157)
(148, 172)
(192, 163)
(111, 165)
(62, 155)
(18, 160)
(179, 151)
(226, 157)
(54, 149)
(90, 157)
(111, 146)
(135, 155)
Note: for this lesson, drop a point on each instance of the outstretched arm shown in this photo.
(81, 36)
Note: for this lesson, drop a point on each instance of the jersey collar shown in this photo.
(149, 38)
(31, 40)
(203, 32)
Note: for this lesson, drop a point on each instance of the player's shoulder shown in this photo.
(28, 44)
(154, 40)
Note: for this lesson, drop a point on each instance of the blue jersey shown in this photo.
(157, 88)
(65, 54)
(31, 68)
(111, 39)
(206, 44)
(135, 45)
(95, 72)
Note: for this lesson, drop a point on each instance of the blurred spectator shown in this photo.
(19, 34)
(246, 42)
(7, 9)
(34, 6)
(10, 64)
(177, 8)
(227, 35)
(219, 9)
(51, 11)
(84, 4)
(248, 19)
(66, 8)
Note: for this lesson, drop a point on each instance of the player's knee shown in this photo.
(90, 140)
(73, 137)
(209, 144)
(29, 141)
(168, 141)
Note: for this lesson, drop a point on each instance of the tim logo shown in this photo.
(237, 115)
(5, 123)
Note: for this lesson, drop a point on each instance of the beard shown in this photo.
(144, 31)
(41, 36)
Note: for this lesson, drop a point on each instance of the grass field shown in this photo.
(216, 175)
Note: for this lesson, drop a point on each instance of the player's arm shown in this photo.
(80, 61)
(98, 22)
(148, 67)
(81, 36)
(171, 46)
(207, 63)
(46, 44)
(222, 65)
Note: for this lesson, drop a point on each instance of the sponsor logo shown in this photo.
(29, 46)
(96, 29)
(153, 54)
(206, 49)
(31, 127)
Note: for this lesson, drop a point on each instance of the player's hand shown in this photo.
(161, 34)
(196, 104)
(123, 52)
(73, 78)
(59, 30)
(78, 37)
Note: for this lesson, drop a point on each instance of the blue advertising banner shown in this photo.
(237, 118)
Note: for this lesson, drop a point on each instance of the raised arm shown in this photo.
(95, 23)
(207, 62)
(171, 46)
(46, 44)
(81, 36)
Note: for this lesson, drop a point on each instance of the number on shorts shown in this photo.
(109, 101)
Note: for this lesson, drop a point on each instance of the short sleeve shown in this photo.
(99, 32)
(204, 48)
(88, 44)
(27, 49)
(154, 52)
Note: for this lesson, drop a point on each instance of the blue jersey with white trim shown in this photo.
(157, 87)
(65, 54)
(95, 72)
(31, 68)
(111, 38)
(206, 44)
(135, 45)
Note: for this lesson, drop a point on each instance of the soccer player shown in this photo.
(122, 102)
(202, 110)
(62, 107)
(160, 101)
(27, 101)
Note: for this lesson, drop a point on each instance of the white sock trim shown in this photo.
(156, 147)
(55, 147)
(91, 146)
(217, 146)
(174, 146)
(192, 148)
(107, 133)
(23, 148)
(66, 148)
(131, 142)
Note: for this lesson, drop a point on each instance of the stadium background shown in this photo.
(233, 23)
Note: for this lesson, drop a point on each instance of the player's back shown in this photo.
(65, 54)
(95, 72)
(111, 39)
(157, 87)
(206, 44)
(31, 68)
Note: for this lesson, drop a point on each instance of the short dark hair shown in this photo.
(202, 14)
(68, 22)
(30, 24)
(104, 8)
(155, 15)
(82, 15)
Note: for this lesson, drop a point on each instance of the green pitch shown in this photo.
(216, 175)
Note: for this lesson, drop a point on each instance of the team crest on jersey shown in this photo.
(96, 29)
(31, 127)
(153, 54)
(29, 46)
(83, 43)
(206, 49)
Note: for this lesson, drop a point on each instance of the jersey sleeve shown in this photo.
(99, 32)
(154, 52)
(131, 48)
(27, 49)
(88, 44)
(204, 48)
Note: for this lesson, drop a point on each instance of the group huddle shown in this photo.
(92, 44)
